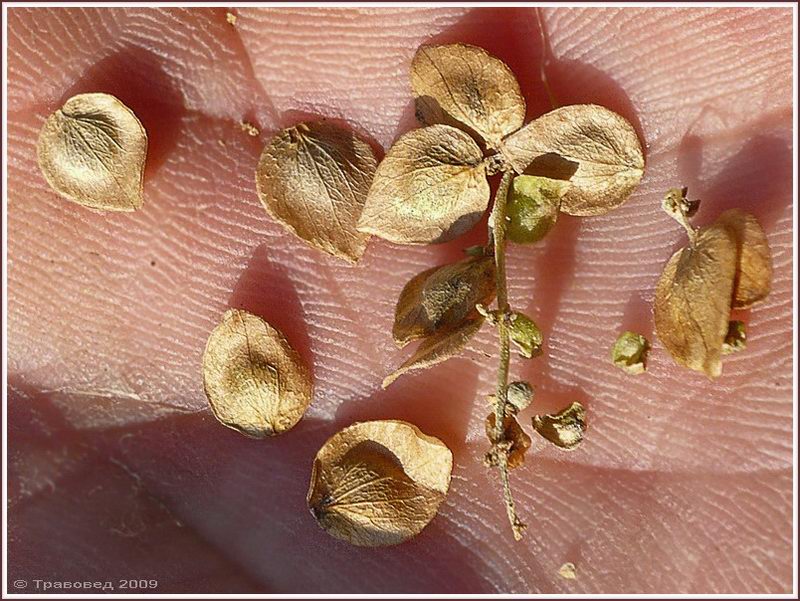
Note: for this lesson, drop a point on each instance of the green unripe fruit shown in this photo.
(526, 335)
(532, 207)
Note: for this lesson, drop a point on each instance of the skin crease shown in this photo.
(117, 469)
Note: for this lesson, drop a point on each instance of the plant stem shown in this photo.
(498, 239)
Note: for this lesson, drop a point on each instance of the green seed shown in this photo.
(533, 207)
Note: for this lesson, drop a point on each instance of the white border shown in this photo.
(6, 6)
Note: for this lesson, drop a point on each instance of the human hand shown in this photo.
(118, 471)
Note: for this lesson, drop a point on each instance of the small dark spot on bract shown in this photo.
(152, 263)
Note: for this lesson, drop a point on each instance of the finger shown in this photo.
(348, 364)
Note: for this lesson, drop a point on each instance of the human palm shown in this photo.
(117, 469)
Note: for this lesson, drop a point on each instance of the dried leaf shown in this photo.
(533, 207)
(564, 429)
(512, 432)
(693, 300)
(629, 353)
(255, 382)
(92, 151)
(754, 264)
(430, 187)
(442, 298)
(594, 148)
(428, 112)
(379, 483)
(469, 85)
(735, 339)
(313, 178)
(437, 348)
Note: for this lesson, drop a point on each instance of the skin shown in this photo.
(117, 469)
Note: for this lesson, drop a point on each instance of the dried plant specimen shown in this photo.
(437, 348)
(433, 185)
(525, 335)
(568, 571)
(533, 207)
(313, 178)
(726, 264)
(379, 483)
(443, 298)
(564, 429)
(250, 129)
(514, 436)
(629, 353)
(470, 86)
(92, 151)
(520, 395)
(256, 383)
(754, 262)
(600, 148)
(693, 300)
(430, 187)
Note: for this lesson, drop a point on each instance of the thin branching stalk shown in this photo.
(502, 447)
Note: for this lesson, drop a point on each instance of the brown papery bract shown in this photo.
(255, 381)
(314, 178)
(442, 298)
(437, 348)
(564, 429)
(594, 148)
(430, 187)
(379, 483)
(513, 434)
(693, 299)
(92, 151)
(754, 260)
(468, 85)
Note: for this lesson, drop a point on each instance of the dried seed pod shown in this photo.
(442, 298)
(513, 433)
(754, 261)
(678, 206)
(596, 149)
(533, 207)
(92, 151)
(568, 571)
(379, 483)
(564, 429)
(735, 339)
(468, 85)
(519, 395)
(430, 187)
(437, 348)
(693, 300)
(526, 335)
(255, 382)
(313, 178)
(629, 352)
